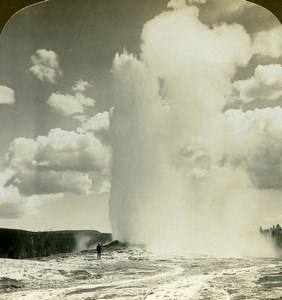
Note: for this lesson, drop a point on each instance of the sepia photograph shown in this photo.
(141, 149)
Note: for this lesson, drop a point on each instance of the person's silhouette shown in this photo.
(99, 250)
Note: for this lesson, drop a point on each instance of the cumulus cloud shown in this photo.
(7, 95)
(98, 125)
(69, 105)
(266, 83)
(197, 1)
(268, 43)
(176, 4)
(253, 142)
(12, 204)
(33, 182)
(184, 65)
(62, 161)
(80, 86)
(164, 31)
(45, 66)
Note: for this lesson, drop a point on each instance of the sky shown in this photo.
(156, 99)
(65, 49)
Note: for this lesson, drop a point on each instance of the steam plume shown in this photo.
(170, 182)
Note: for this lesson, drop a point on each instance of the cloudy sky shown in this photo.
(65, 72)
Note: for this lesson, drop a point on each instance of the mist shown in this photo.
(179, 180)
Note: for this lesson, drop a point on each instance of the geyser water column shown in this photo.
(169, 176)
(145, 193)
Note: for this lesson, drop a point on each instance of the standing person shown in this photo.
(99, 250)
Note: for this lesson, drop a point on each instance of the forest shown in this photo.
(274, 232)
(21, 244)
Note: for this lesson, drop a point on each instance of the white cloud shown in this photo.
(266, 83)
(253, 142)
(45, 66)
(38, 182)
(80, 86)
(7, 95)
(197, 1)
(98, 124)
(175, 33)
(13, 204)
(62, 161)
(176, 4)
(179, 4)
(69, 105)
(69, 150)
(268, 43)
(193, 56)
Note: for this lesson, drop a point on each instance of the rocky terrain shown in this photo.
(134, 274)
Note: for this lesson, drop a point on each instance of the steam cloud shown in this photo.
(176, 179)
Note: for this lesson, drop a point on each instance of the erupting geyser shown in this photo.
(177, 176)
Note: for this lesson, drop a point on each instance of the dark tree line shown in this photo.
(21, 244)
(274, 232)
